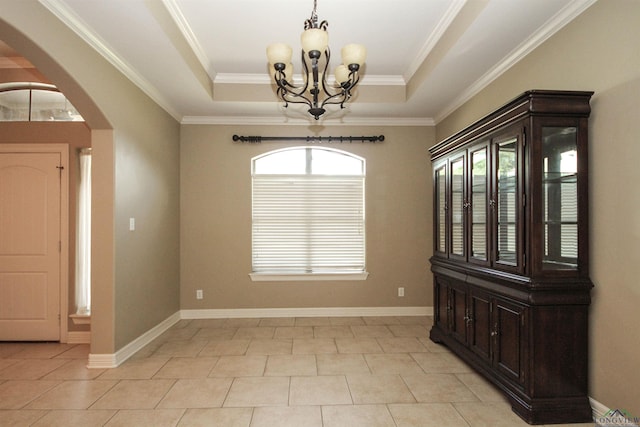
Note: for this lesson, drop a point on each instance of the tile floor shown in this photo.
(275, 372)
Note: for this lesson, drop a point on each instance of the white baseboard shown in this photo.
(604, 416)
(79, 337)
(599, 410)
(113, 360)
(104, 361)
(305, 312)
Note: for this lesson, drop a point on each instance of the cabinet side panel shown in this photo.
(508, 357)
(559, 351)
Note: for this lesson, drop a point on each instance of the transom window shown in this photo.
(308, 214)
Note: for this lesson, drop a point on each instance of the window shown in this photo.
(308, 215)
(83, 237)
(35, 102)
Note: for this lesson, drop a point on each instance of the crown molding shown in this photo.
(450, 14)
(286, 121)
(183, 25)
(552, 26)
(68, 17)
(365, 80)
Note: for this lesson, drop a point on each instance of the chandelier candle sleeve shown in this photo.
(314, 91)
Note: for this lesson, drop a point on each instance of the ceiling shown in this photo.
(204, 61)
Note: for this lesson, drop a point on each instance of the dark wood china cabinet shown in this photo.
(511, 252)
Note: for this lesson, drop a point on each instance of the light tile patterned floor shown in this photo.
(275, 372)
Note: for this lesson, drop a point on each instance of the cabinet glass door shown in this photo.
(440, 189)
(457, 207)
(506, 201)
(560, 198)
(479, 198)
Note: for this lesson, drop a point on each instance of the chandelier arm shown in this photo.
(297, 99)
(325, 85)
(345, 94)
(285, 90)
(315, 89)
(337, 99)
(305, 73)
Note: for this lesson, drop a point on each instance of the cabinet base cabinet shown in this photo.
(535, 354)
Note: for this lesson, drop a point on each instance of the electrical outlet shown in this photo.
(401, 291)
(199, 294)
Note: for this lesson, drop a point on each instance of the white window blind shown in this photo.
(308, 223)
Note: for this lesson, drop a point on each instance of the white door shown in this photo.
(30, 246)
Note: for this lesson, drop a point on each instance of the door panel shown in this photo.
(509, 325)
(480, 338)
(442, 303)
(30, 219)
(458, 316)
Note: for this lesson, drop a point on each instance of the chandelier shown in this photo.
(314, 90)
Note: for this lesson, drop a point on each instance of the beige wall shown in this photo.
(598, 51)
(135, 282)
(147, 260)
(216, 221)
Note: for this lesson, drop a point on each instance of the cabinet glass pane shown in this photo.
(560, 197)
(506, 201)
(457, 207)
(479, 204)
(441, 209)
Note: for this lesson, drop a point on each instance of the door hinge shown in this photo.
(60, 246)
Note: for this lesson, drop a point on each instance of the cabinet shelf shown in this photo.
(510, 263)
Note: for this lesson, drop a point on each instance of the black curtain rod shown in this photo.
(318, 139)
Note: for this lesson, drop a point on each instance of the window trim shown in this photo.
(344, 275)
(307, 277)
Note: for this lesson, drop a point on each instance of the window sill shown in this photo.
(81, 319)
(307, 277)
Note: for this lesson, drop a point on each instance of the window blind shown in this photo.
(308, 224)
